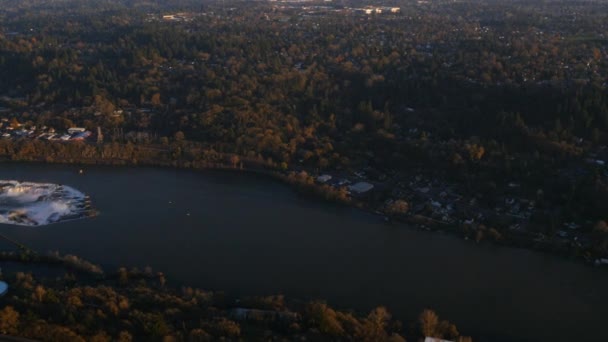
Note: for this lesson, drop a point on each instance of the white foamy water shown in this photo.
(37, 204)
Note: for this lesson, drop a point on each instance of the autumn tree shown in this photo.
(198, 335)
(105, 106)
(123, 276)
(398, 207)
(9, 321)
(155, 100)
(601, 227)
(179, 136)
(374, 326)
(234, 160)
(124, 336)
(39, 293)
(476, 152)
(324, 318)
(429, 322)
(431, 326)
(101, 336)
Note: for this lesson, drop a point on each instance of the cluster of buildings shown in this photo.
(377, 10)
(357, 188)
(14, 130)
(179, 17)
(306, 8)
(518, 208)
(441, 202)
(430, 197)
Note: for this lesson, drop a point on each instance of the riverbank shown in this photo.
(139, 304)
(187, 155)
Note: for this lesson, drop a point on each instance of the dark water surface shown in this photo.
(251, 236)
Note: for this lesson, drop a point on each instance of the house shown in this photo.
(434, 339)
(572, 225)
(323, 178)
(81, 136)
(360, 174)
(337, 182)
(602, 261)
(73, 130)
(361, 187)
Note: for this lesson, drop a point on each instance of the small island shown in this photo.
(39, 204)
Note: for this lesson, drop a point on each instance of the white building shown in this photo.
(323, 178)
(361, 187)
(603, 261)
(434, 339)
(73, 130)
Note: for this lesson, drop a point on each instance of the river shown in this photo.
(249, 235)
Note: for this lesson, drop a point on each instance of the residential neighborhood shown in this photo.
(15, 130)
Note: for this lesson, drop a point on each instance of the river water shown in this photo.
(249, 235)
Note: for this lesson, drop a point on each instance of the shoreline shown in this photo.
(82, 279)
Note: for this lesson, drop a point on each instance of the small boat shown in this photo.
(81, 171)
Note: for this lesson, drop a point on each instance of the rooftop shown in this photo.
(361, 187)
